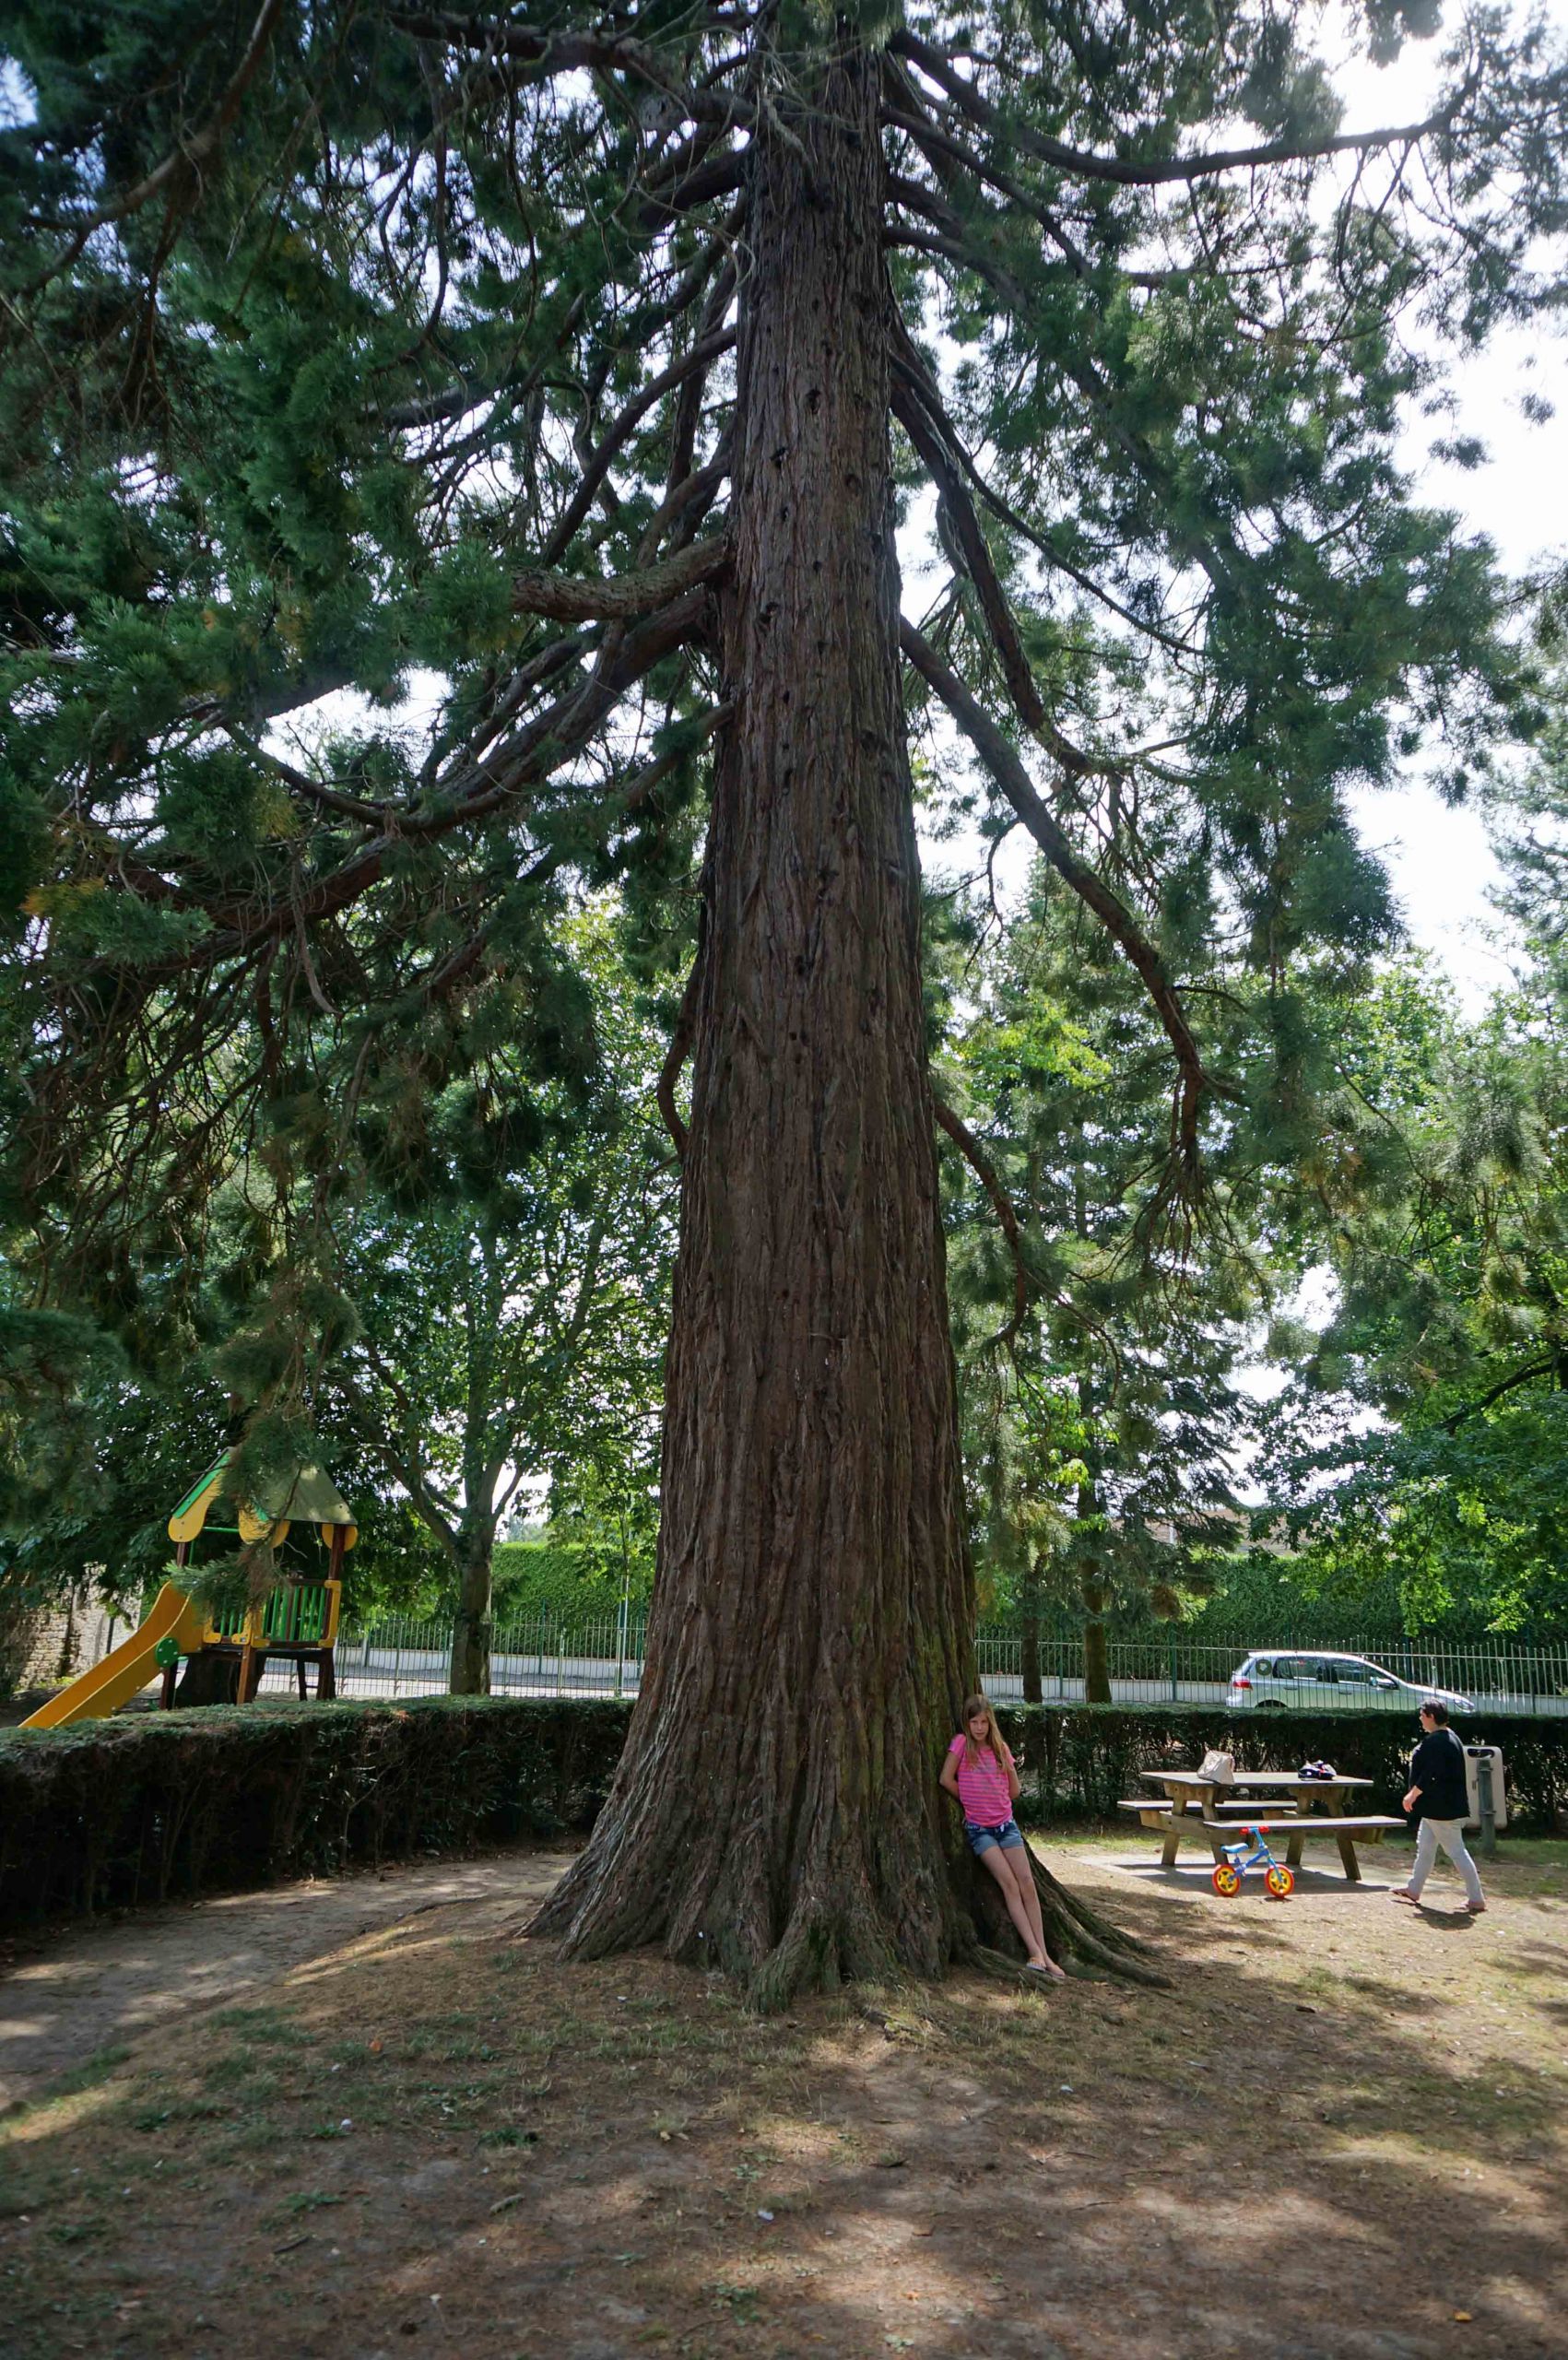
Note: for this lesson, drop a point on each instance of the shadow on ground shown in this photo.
(1338, 2134)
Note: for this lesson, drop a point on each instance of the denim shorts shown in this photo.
(1005, 1837)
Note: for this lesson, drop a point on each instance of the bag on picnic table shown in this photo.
(1220, 1767)
(1317, 1770)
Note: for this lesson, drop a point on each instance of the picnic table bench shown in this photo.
(1297, 1807)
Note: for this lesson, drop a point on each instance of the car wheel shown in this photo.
(1271, 1705)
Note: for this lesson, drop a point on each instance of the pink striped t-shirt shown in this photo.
(982, 1788)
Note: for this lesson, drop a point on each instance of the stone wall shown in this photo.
(41, 1648)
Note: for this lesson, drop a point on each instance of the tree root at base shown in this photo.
(824, 1946)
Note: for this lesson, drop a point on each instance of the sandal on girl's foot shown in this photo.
(1399, 1894)
(1046, 1966)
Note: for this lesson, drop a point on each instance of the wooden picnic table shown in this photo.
(1303, 1807)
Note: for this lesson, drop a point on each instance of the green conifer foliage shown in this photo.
(1104, 1432)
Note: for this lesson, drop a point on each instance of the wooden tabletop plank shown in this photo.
(1287, 1779)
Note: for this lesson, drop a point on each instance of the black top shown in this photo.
(1438, 1769)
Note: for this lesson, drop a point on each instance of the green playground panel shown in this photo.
(298, 1613)
(295, 1615)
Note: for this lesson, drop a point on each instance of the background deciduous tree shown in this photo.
(514, 1298)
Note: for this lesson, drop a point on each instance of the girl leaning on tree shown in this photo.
(980, 1774)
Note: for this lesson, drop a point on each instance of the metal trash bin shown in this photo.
(1488, 1802)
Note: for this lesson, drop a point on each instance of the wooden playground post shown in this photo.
(327, 1662)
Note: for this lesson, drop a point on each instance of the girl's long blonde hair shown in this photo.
(973, 1705)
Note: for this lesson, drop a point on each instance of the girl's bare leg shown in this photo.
(997, 1862)
(1020, 1866)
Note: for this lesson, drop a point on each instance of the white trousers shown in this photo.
(1450, 1834)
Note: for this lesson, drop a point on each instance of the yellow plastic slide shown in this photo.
(127, 1668)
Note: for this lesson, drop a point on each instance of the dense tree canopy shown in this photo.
(1428, 1437)
(322, 341)
(454, 456)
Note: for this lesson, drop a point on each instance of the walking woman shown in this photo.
(979, 1774)
(1439, 1794)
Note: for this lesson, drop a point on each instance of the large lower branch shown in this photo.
(574, 598)
(534, 754)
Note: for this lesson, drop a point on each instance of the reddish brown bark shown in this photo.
(776, 1811)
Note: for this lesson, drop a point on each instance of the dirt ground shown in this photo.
(64, 2001)
(359, 2127)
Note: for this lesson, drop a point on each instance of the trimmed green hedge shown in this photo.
(564, 1578)
(1081, 1762)
(158, 1804)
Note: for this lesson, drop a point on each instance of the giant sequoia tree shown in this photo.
(582, 359)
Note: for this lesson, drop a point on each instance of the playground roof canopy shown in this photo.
(308, 1494)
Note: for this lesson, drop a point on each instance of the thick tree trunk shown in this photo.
(1096, 1660)
(1094, 1590)
(776, 1809)
(1029, 1630)
(471, 1624)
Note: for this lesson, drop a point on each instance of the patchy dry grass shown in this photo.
(1340, 2133)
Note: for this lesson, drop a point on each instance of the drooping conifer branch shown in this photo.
(1002, 1205)
(919, 412)
(616, 435)
(1214, 550)
(1193, 1081)
(534, 754)
(548, 52)
(182, 169)
(1154, 171)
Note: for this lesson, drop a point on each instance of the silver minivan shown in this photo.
(1311, 1680)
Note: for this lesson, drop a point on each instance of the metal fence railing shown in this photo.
(1166, 1669)
(549, 1656)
